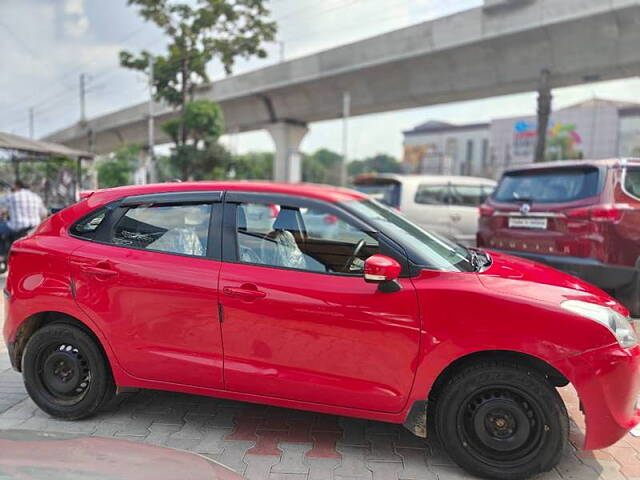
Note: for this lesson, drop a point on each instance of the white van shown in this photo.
(447, 205)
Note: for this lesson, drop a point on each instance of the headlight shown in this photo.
(619, 325)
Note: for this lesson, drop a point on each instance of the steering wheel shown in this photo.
(361, 243)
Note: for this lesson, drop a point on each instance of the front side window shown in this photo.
(308, 239)
(431, 250)
(432, 195)
(632, 181)
(181, 229)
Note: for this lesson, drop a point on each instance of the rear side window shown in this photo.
(632, 182)
(181, 229)
(87, 226)
(433, 195)
(469, 195)
(548, 186)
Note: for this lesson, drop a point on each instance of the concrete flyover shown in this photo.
(499, 48)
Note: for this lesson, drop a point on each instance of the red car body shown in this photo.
(333, 344)
(594, 235)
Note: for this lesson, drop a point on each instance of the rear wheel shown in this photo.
(65, 372)
(501, 420)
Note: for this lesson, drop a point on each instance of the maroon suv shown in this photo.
(582, 217)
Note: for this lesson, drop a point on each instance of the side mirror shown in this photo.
(380, 269)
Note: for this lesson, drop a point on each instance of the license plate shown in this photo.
(526, 222)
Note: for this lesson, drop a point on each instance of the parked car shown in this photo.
(446, 205)
(581, 217)
(141, 287)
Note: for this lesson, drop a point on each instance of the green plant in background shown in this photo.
(380, 163)
(199, 32)
(118, 169)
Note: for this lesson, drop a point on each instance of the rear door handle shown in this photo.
(100, 269)
(244, 293)
(455, 217)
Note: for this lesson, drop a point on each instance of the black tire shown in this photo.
(500, 420)
(66, 373)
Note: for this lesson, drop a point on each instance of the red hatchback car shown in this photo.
(581, 217)
(185, 287)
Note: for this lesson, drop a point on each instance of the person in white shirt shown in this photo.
(26, 209)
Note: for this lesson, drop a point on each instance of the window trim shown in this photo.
(229, 227)
(119, 209)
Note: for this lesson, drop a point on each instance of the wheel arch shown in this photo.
(418, 417)
(36, 321)
(552, 374)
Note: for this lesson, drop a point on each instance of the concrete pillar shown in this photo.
(287, 136)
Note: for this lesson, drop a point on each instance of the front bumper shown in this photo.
(608, 383)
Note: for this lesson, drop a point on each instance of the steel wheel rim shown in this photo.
(501, 426)
(64, 373)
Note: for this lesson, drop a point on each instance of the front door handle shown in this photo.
(244, 293)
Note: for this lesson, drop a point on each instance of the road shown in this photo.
(262, 442)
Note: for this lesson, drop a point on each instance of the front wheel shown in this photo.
(501, 420)
(65, 372)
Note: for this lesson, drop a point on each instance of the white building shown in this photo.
(592, 129)
(447, 149)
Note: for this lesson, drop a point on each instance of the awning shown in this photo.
(9, 141)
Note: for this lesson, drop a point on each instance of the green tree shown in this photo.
(199, 31)
(380, 163)
(252, 166)
(323, 166)
(118, 169)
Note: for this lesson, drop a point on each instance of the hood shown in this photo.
(525, 278)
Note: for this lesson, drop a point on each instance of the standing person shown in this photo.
(26, 209)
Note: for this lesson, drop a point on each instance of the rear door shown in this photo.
(149, 278)
(546, 211)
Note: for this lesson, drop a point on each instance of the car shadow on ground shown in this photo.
(263, 442)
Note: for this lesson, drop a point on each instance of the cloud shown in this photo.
(76, 23)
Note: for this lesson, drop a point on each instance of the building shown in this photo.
(592, 129)
(443, 148)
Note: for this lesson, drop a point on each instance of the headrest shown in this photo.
(287, 219)
(242, 218)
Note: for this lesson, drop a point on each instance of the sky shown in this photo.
(46, 44)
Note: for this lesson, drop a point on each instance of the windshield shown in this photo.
(425, 248)
(548, 186)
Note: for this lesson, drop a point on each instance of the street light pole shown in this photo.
(346, 113)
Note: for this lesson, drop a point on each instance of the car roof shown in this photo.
(432, 179)
(327, 193)
(605, 162)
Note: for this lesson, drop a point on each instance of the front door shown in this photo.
(149, 279)
(300, 322)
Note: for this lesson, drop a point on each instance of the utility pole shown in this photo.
(544, 112)
(346, 113)
(151, 159)
(31, 130)
(83, 116)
